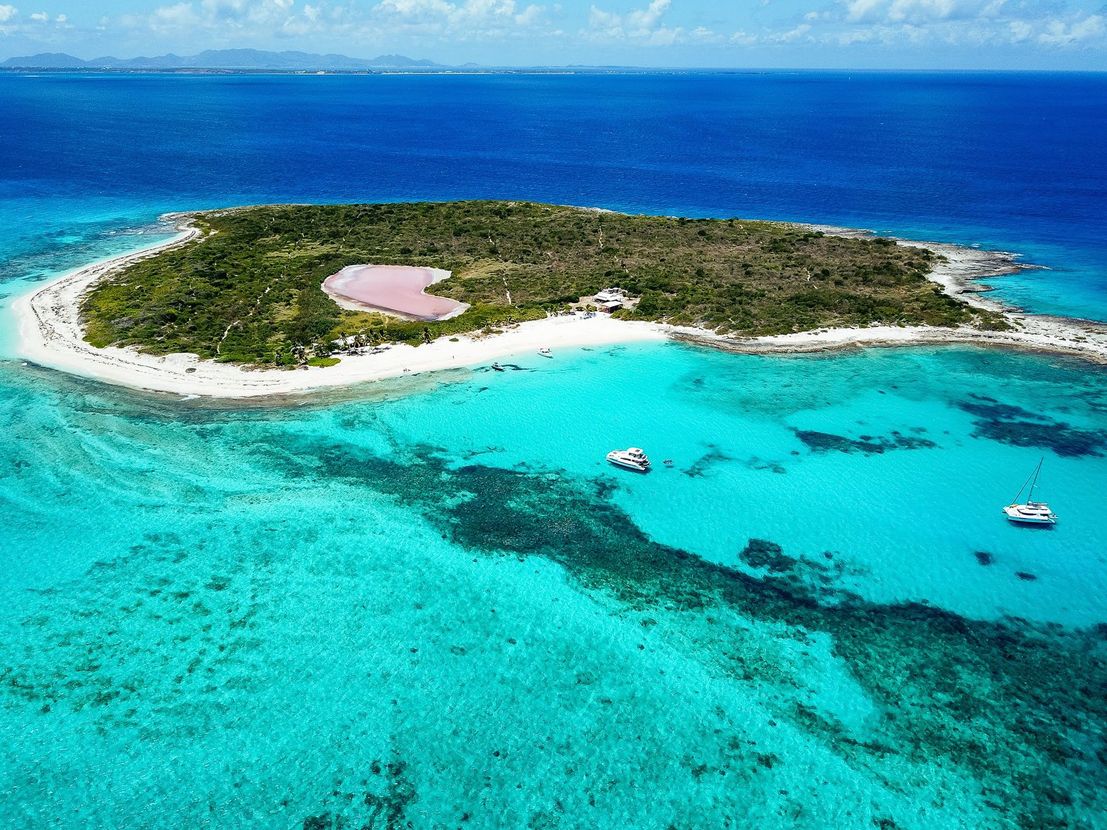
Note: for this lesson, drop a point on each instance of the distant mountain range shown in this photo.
(221, 59)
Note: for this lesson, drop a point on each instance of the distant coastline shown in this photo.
(254, 61)
(373, 71)
(51, 334)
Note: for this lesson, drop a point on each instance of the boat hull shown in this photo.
(1040, 518)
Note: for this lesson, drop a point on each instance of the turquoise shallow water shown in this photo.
(431, 602)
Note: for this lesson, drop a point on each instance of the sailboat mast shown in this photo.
(1034, 481)
(1018, 495)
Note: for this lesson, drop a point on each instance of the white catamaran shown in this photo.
(1030, 512)
(630, 459)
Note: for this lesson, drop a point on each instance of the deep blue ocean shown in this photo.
(1010, 161)
(430, 603)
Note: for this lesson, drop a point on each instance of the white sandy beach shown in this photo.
(51, 335)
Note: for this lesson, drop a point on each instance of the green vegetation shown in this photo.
(249, 290)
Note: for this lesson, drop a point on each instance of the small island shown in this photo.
(343, 292)
(249, 290)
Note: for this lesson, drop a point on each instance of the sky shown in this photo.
(862, 34)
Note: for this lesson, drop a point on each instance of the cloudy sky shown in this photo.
(1004, 34)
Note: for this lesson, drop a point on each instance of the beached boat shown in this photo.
(545, 352)
(496, 367)
(1030, 512)
(630, 459)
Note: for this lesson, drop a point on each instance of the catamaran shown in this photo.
(1030, 512)
(630, 459)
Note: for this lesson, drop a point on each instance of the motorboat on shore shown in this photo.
(545, 352)
(630, 459)
(496, 367)
(1030, 512)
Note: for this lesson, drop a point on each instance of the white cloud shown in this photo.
(460, 20)
(415, 9)
(1058, 33)
(861, 10)
(885, 24)
(531, 15)
(702, 34)
(235, 18)
(650, 16)
(240, 22)
(800, 32)
(920, 11)
(1020, 30)
(642, 25)
(956, 23)
(170, 18)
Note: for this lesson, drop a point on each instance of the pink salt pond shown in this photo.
(393, 289)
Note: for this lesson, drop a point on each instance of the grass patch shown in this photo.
(249, 290)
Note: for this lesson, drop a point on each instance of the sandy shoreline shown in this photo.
(51, 335)
(958, 276)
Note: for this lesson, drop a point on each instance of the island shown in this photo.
(242, 296)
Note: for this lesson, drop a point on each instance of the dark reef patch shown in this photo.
(987, 407)
(1020, 427)
(702, 465)
(761, 553)
(96, 663)
(469, 455)
(1020, 708)
(818, 441)
(512, 367)
(1026, 576)
(821, 577)
(984, 557)
(378, 802)
(1065, 440)
(756, 463)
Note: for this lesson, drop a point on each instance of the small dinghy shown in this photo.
(545, 352)
(1030, 512)
(630, 459)
(496, 367)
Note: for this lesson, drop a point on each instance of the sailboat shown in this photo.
(1030, 512)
